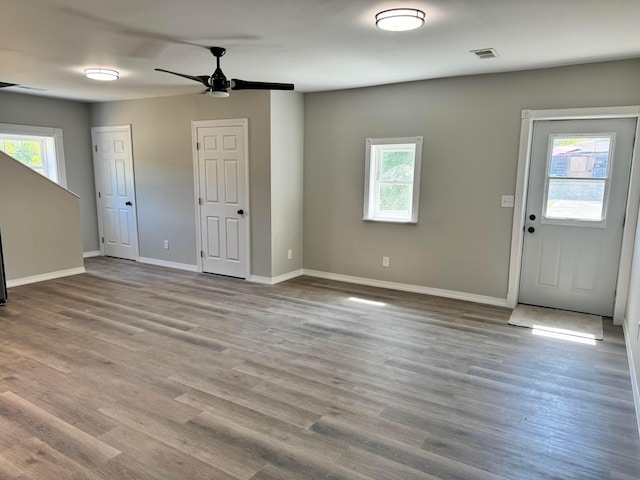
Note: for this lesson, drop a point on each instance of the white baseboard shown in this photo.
(632, 370)
(278, 279)
(438, 292)
(258, 279)
(165, 263)
(44, 276)
(95, 253)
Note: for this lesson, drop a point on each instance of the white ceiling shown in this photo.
(316, 44)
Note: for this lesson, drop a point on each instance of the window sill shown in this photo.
(388, 220)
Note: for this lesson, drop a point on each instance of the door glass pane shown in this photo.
(575, 199)
(581, 157)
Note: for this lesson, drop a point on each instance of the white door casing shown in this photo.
(115, 191)
(221, 179)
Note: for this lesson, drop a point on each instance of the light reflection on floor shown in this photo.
(367, 302)
(562, 334)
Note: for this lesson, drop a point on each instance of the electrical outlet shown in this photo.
(166, 244)
(289, 254)
(385, 261)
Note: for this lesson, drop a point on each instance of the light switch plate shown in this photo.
(507, 201)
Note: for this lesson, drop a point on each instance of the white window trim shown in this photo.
(55, 133)
(369, 179)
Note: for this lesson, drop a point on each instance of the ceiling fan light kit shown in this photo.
(400, 19)
(101, 74)
(218, 85)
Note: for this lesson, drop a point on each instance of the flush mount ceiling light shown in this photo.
(102, 74)
(400, 19)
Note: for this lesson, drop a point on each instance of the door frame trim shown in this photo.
(234, 122)
(529, 117)
(96, 176)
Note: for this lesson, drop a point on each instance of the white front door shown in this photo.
(113, 167)
(576, 202)
(223, 197)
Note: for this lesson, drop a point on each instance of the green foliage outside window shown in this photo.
(27, 152)
(396, 176)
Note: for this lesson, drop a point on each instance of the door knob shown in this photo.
(128, 203)
(532, 217)
(241, 212)
(531, 229)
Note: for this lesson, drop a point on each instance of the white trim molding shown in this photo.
(276, 280)
(94, 253)
(529, 117)
(437, 292)
(632, 370)
(44, 277)
(165, 263)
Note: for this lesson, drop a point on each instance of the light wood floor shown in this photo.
(139, 372)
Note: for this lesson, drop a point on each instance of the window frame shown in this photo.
(371, 183)
(575, 222)
(56, 151)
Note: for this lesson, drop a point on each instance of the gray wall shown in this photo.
(287, 154)
(40, 223)
(73, 119)
(163, 168)
(471, 128)
(632, 317)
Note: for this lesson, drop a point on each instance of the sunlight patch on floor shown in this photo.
(563, 334)
(367, 302)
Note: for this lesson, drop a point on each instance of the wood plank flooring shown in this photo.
(139, 372)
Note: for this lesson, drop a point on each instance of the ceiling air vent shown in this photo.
(485, 53)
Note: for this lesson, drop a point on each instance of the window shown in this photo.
(392, 179)
(577, 180)
(38, 148)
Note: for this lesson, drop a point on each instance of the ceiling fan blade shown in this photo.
(237, 84)
(5, 84)
(203, 79)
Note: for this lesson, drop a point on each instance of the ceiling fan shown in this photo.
(218, 85)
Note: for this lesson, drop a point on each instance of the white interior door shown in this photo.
(115, 191)
(576, 202)
(223, 197)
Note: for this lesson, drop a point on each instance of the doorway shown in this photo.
(576, 210)
(115, 191)
(222, 196)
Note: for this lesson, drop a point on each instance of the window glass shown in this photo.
(580, 157)
(577, 178)
(576, 199)
(397, 165)
(28, 152)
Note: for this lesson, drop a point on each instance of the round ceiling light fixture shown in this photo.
(102, 74)
(400, 19)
